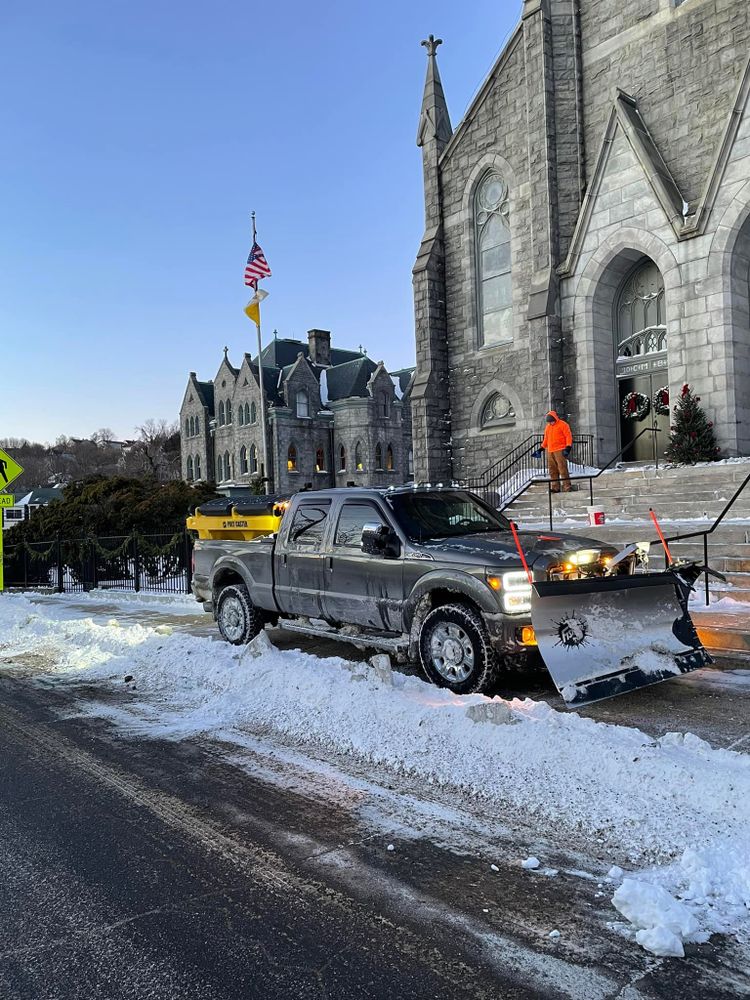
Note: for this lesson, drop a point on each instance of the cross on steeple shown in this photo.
(431, 43)
(226, 352)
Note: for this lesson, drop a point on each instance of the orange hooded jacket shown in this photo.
(558, 435)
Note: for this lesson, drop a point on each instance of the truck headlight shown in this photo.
(516, 593)
(584, 557)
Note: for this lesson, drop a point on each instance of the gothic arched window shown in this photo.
(197, 425)
(389, 458)
(229, 411)
(189, 469)
(641, 314)
(222, 419)
(227, 466)
(187, 427)
(291, 459)
(378, 456)
(253, 413)
(219, 470)
(247, 413)
(494, 286)
(253, 459)
(241, 414)
(342, 458)
(359, 465)
(303, 404)
(197, 466)
(243, 458)
(320, 460)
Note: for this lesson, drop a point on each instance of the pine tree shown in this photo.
(692, 436)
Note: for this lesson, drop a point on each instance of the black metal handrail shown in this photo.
(590, 477)
(519, 462)
(706, 532)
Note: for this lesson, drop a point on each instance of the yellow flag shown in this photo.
(252, 309)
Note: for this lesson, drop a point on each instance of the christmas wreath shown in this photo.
(635, 406)
(661, 401)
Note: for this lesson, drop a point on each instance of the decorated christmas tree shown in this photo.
(692, 434)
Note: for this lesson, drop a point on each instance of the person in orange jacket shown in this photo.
(557, 442)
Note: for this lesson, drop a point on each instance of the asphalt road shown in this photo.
(150, 869)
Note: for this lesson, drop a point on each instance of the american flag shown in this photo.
(256, 267)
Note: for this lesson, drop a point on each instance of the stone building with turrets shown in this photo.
(334, 418)
(587, 233)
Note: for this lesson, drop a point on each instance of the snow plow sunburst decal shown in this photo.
(572, 631)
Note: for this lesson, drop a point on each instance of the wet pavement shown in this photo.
(139, 868)
(161, 870)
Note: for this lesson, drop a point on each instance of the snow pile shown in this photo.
(663, 922)
(675, 807)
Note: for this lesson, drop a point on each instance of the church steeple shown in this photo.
(434, 120)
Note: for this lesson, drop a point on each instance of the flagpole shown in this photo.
(263, 424)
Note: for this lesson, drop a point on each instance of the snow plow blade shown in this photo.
(606, 636)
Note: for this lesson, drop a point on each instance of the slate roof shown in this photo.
(347, 376)
(206, 394)
(283, 352)
(350, 379)
(403, 376)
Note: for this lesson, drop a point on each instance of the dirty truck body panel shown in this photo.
(437, 572)
(316, 567)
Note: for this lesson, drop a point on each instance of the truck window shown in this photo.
(353, 517)
(444, 514)
(308, 525)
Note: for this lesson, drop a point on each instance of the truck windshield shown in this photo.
(444, 515)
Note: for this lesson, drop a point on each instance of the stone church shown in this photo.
(334, 418)
(587, 233)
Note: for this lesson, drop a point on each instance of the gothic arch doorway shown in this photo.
(641, 362)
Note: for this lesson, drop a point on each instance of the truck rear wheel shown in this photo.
(238, 620)
(455, 650)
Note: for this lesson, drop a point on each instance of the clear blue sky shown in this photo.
(137, 138)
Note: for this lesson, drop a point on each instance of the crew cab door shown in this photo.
(299, 559)
(361, 589)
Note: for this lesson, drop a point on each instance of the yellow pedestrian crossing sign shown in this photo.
(10, 470)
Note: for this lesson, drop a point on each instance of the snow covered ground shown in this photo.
(674, 812)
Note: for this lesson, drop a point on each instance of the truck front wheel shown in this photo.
(238, 620)
(455, 650)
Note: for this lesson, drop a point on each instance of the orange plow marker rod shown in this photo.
(520, 550)
(660, 533)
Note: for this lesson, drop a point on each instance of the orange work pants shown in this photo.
(557, 464)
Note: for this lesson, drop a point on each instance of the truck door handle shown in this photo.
(283, 559)
(329, 562)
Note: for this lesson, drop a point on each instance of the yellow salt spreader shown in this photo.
(239, 520)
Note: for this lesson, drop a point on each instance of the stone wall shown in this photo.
(682, 63)
(195, 446)
(541, 119)
(705, 278)
(355, 419)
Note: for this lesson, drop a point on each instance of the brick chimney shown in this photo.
(319, 342)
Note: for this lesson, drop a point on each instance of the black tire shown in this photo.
(469, 663)
(238, 619)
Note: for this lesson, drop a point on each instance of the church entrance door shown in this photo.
(641, 367)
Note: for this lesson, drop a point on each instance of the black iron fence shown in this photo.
(160, 564)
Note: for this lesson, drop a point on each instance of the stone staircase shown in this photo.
(684, 500)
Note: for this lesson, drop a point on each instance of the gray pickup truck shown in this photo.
(419, 572)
